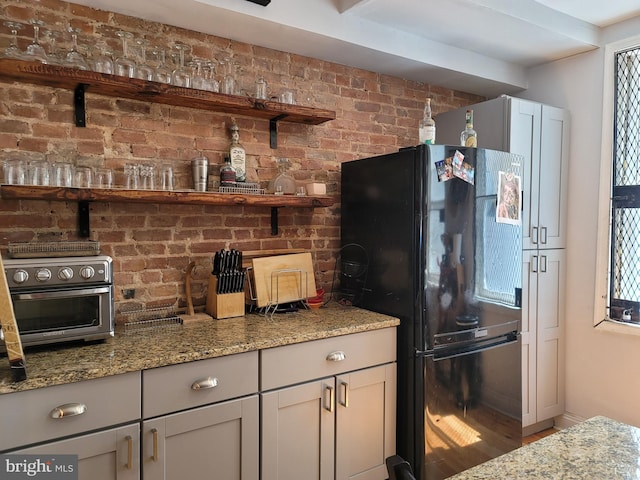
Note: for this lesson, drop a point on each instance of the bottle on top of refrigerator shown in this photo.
(469, 137)
(427, 131)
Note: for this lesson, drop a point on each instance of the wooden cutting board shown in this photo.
(283, 279)
(10, 329)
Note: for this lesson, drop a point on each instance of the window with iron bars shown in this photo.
(624, 268)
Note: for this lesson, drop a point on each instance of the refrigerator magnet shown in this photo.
(462, 169)
(509, 198)
(444, 169)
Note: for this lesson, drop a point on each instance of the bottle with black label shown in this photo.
(237, 155)
(227, 173)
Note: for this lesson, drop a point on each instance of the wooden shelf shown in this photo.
(136, 89)
(117, 195)
(187, 197)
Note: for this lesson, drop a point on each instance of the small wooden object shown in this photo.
(191, 316)
(10, 329)
(224, 305)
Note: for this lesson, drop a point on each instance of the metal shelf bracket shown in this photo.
(84, 230)
(273, 130)
(274, 221)
(79, 108)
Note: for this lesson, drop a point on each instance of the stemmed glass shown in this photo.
(181, 76)
(162, 73)
(125, 66)
(73, 58)
(143, 71)
(35, 52)
(210, 82)
(51, 37)
(103, 62)
(12, 51)
(197, 79)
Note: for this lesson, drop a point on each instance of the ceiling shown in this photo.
(477, 46)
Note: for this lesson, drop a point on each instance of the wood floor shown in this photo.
(538, 436)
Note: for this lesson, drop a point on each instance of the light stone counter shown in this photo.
(597, 449)
(127, 352)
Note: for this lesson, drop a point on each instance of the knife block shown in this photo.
(223, 305)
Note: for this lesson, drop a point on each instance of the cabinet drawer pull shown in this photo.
(68, 410)
(329, 407)
(345, 394)
(337, 356)
(129, 440)
(154, 432)
(205, 383)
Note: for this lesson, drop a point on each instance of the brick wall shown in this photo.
(152, 244)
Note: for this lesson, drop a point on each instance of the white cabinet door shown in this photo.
(217, 441)
(554, 171)
(365, 422)
(298, 432)
(109, 455)
(551, 339)
(543, 357)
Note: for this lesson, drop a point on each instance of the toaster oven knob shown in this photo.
(87, 272)
(20, 276)
(43, 275)
(65, 273)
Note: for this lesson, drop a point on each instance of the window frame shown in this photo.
(601, 319)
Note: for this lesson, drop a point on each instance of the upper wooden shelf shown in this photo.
(36, 192)
(136, 89)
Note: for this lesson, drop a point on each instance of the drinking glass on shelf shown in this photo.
(261, 89)
(181, 76)
(51, 37)
(13, 51)
(211, 83)
(162, 73)
(14, 171)
(83, 177)
(104, 178)
(62, 174)
(166, 177)
(38, 172)
(147, 176)
(131, 176)
(143, 71)
(124, 65)
(35, 52)
(73, 58)
(228, 80)
(103, 61)
(197, 74)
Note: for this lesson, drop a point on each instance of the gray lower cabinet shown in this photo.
(108, 455)
(201, 420)
(217, 441)
(339, 426)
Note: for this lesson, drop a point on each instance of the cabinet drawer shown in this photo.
(301, 362)
(188, 385)
(27, 416)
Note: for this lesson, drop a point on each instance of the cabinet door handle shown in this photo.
(534, 235)
(336, 356)
(205, 383)
(129, 440)
(154, 432)
(68, 410)
(543, 263)
(345, 394)
(543, 235)
(534, 264)
(329, 406)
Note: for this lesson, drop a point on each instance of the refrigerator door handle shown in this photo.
(449, 352)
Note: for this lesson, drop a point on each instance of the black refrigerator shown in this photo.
(432, 235)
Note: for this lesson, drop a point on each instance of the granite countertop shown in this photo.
(143, 349)
(598, 449)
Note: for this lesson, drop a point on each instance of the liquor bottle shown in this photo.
(469, 137)
(227, 173)
(427, 131)
(237, 155)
